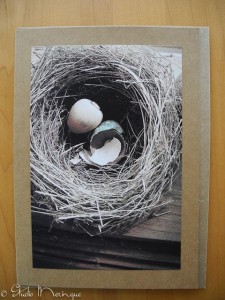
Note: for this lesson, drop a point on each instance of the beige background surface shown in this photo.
(70, 13)
(194, 44)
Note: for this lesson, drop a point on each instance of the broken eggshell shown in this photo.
(103, 134)
(108, 154)
(108, 125)
(107, 145)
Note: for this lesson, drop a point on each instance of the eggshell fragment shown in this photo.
(75, 160)
(84, 154)
(84, 116)
(107, 146)
(108, 125)
(98, 140)
(108, 153)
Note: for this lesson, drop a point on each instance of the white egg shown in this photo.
(85, 115)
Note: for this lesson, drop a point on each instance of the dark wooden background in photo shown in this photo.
(153, 244)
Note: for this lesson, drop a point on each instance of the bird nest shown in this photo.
(133, 85)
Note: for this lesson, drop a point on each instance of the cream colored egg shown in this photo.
(85, 115)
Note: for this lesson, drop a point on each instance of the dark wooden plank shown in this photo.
(114, 248)
(57, 249)
(50, 262)
(110, 262)
(152, 231)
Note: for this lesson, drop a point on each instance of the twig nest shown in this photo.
(84, 116)
(135, 87)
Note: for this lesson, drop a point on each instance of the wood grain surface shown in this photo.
(18, 13)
